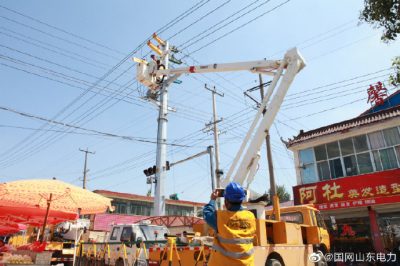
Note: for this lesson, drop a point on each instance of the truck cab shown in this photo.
(305, 215)
(122, 241)
(137, 232)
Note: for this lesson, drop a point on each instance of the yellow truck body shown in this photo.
(307, 216)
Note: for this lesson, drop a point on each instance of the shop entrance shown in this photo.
(352, 235)
(389, 226)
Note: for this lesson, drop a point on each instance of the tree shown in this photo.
(383, 13)
(283, 195)
(386, 14)
(394, 79)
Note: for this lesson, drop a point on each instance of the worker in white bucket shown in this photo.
(235, 228)
(153, 65)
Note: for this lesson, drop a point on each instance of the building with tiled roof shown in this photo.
(132, 208)
(133, 204)
(350, 171)
(105, 221)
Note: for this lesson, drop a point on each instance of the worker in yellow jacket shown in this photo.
(235, 229)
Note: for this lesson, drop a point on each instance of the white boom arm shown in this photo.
(245, 163)
(283, 71)
(148, 76)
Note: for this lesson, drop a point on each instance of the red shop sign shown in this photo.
(361, 190)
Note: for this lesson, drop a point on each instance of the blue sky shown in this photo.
(56, 50)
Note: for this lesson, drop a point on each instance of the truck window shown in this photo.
(292, 217)
(320, 220)
(126, 234)
(289, 217)
(313, 215)
(153, 233)
(115, 233)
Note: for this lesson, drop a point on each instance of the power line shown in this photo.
(52, 130)
(342, 47)
(61, 30)
(240, 26)
(328, 109)
(321, 99)
(81, 128)
(199, 19)
(333, 91)
(317, 36)
(336, 83)
(182, 16)
(57, 37)
(59, 50)
(48, 61)
(199, 36)
(103, 77)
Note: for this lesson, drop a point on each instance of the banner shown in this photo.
(362, 190)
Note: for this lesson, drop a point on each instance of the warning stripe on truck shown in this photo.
(62, 259)
(179, 248)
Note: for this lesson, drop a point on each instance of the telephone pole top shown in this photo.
(85, 170)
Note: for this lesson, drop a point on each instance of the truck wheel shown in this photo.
(322, 262)
(119, 262)
(273, 262)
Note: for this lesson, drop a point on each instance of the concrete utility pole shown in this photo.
(85, 170)
(214, 124)
(210, 150)
(161, 172)
(268, 144)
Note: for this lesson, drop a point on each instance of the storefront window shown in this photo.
(323, 170)
(336, 168)
(376, 151)
(352, 235)
(141, 208)
(333, 149)
(346, 146)
(308, 174)
(376, 140)
(364, 163)
(360, 143)
(397, 148)
(122, 208)
(388, 159)
(377, 160)
(320, 153)
(392, 136)
(350, 165)
(307, 165)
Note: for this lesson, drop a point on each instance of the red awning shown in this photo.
(32, 216)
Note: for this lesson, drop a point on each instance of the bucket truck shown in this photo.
(277, 242)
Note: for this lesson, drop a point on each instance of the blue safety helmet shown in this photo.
(234, 193)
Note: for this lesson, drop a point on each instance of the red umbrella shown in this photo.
(7, 229)
(32, 216)
(49, 196)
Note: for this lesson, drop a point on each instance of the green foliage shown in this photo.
(386, 14)
(383, 13)
(174, 196)
(282, 193)
(394, 79)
